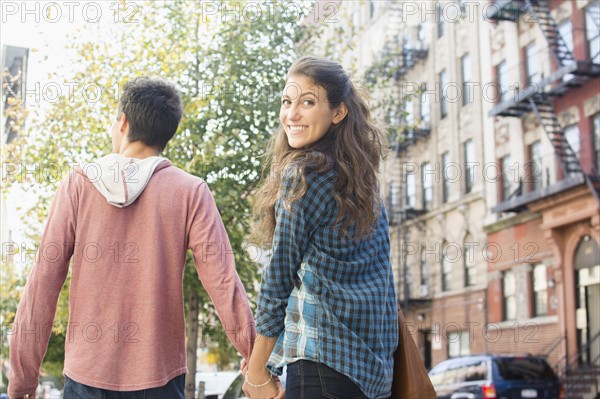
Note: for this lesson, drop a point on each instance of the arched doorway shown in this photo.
(587, 298)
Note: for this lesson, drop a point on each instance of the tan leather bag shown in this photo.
(410, 377)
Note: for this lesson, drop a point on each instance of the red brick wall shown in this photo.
(519, 244)
(525, 337)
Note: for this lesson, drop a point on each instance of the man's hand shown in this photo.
(30, 396)
(281, 393)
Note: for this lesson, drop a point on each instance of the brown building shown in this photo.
(543, 253)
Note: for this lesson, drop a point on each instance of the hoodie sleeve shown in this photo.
(35, 314)
(215, 264)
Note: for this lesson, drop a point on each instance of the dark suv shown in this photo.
(495, 377)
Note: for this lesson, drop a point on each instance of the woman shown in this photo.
(327, 306)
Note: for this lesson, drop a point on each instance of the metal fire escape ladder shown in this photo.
(541, 103)
(540, 11)
(569, 161)
(544, 110)
(392, 44)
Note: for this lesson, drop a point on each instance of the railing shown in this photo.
(555, 345)
(571, 363)
(404, 137)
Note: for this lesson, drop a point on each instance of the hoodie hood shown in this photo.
(121, 180)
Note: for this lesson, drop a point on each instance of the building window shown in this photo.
(446, 269)
(443, 77)
(469, 157)
(425, 108)
(565, 30)
(445, 179)
(440, 21)
(507, 181)
(465, 64)
(427, 181)
(509, 295)
(394, 197)
(458, 343)
(411, 190)
(533, 75)
(371, 8)
(534, 168)
(596, 138)
(501, 73)
(572, 136)
(469, 261)
(592, 31)
(424, 273)
(540, 291)
(421, 37)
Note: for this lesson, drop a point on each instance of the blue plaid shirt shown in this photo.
(327, 298)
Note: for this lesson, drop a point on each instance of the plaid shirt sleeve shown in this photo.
(294, 225)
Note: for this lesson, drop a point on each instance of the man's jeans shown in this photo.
(311, 380)
(172, 390)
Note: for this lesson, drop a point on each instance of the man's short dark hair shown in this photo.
(153, 109)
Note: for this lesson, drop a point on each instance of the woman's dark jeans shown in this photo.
(310, 380)
(172, 390)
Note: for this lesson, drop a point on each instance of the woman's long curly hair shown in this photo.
(352, 148)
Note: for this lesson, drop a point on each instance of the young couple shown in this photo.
(327, 306)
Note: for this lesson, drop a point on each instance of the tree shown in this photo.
(229, 64)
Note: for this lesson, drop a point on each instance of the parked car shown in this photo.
(495, 377)
(215, 383)
(235, 389)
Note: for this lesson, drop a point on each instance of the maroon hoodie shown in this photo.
(126, 327)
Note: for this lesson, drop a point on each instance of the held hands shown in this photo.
(261, 385)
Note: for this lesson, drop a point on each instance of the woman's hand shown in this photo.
(272, 390)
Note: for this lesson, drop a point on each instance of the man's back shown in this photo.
(126, 328)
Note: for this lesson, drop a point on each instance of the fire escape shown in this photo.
(402, 50)
(539, 99)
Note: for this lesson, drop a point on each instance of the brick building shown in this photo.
(546, 205)
(493, 220)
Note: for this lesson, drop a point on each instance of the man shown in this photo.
(127, 221)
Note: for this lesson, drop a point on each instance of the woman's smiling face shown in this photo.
(305, 113)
